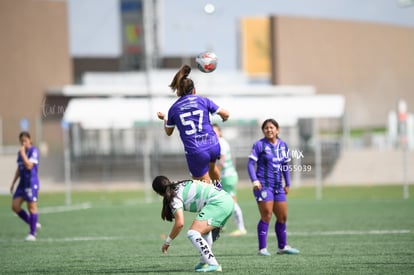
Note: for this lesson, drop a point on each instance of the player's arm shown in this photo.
(252, 174)
(16, 176)
(27, 163)
(168, 130)
(286, 176)
(175, 230)
(224, 114)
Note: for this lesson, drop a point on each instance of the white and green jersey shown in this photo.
(193, 195)
(228, 168)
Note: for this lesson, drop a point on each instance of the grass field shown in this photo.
(352, 230)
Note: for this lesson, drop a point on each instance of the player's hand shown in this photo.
(161, 115)
(286, 189)
(11, 189)
(257, 185)
(22, 149)
(164, 248)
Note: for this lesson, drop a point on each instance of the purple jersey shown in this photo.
(29, 178)
(272, 161)
(191, 115)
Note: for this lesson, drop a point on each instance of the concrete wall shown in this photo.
(369, 166)
(371, 64)
(34, 54)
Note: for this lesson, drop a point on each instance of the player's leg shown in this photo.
(213, 171)
(265, 209)
(238, 219)
(32, 206)
(17, 208)
(194, 234)
(264, 199)
(280, 210)
(209, 240)
(213, 215)
(229, 185)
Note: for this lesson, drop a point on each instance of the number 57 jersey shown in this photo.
(191, 115)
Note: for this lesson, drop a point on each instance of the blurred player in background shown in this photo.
(229, 179)
(191, 114)
(271, 156)
(28, 187)
(214, 207)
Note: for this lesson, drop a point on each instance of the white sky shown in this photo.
(187, 30)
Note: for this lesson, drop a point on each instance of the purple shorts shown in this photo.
(269, 194)
(27, 193)
(198, 163)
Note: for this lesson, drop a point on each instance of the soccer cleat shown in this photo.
(200, 265)
(210, 268)
(38, 226)
(238, 232)
(288, 250)
(30, 238)
(263, 252)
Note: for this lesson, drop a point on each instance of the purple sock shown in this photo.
(23, 215)
(262, 229)
(33, 222)
(280, 229)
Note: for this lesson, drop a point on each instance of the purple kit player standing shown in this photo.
(272, 158)
(28, 187)
(191, 114)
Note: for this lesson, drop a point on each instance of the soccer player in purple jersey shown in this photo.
(271, 157)
(191, 115)
(28, 187)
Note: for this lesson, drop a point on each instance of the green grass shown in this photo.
(352, 230)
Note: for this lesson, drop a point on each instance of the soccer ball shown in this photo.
(206, 62)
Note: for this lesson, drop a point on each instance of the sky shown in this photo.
(186, 29)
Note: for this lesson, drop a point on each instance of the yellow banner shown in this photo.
(255, 38)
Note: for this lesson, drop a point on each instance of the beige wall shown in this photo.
(371, 64)
(34, 54)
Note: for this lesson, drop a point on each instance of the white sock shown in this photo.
(202, 247)
(209, 239)
(238, 217)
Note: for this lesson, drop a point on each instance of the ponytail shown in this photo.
(164, 187)
(181, 83)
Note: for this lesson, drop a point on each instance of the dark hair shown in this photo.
(164, 187)
(181, 82)
(24, 134)
(271, 120)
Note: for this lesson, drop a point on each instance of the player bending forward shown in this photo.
(214, 207)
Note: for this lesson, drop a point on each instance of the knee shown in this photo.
(192, 232)
(266, 216)
(15, 208)
(281, 218)
(32, 209)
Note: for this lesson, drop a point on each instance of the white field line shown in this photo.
(317, 233)
(80, 239)
(351, 232)
(70, 239)
(64, 208)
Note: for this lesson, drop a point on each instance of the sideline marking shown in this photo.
(64, 208)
